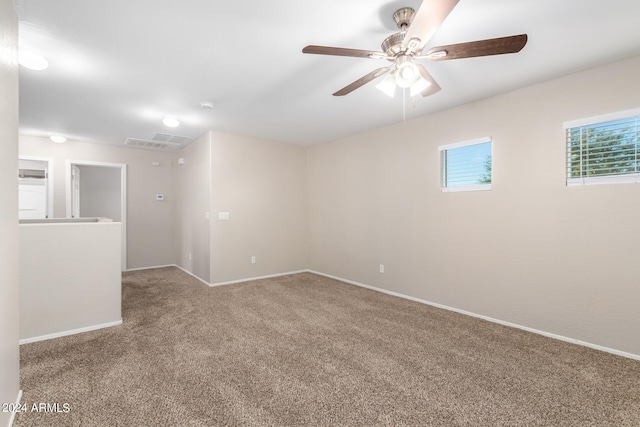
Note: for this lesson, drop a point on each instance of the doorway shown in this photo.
(35, 189)
(98, 189)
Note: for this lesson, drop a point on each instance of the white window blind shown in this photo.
(466, 166)
(604, 149)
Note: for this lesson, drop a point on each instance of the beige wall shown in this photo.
(263, 187)
(9, 351)
(193, 202)
(531, 251)
(150, 235)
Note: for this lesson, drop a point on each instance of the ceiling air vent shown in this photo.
(163, 137)
(147, 144)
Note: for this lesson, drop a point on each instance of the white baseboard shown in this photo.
(171, 265)
(231, 282)
(70, 332)
(247, 279)
(150, 268)
(490, 319)
(13, 414)
(192, 275)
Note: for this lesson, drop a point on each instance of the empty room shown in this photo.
(363, 213)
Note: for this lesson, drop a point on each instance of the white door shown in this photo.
(32, 196)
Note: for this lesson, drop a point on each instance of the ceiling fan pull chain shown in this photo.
(404, 106)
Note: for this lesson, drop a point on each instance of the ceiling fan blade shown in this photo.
(433, 87)
(341, 51)
(426, 21)
(499, 46)
(363, 80)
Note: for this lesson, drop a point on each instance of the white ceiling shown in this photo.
(117, 67)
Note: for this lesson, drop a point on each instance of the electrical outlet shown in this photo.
(190, 256)
(381, 268)
(253, 260)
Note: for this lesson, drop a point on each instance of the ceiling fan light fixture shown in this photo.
(406, 75)
(420, 85)
(387, 85)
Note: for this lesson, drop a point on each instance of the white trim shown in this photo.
(123, 196)
(170, 265)
(606, 179)
(192, 275)
(490, 319)
(457, 188)
(208, 214)
(231, 282)
(150, 268)
(70, 332)
(465, 143)
(13, 414)
(602, 118)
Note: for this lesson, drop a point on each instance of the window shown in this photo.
(466, 166)
(604, 149)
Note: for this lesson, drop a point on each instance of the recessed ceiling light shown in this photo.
(171, 122)
(32, 61)
(58, 139)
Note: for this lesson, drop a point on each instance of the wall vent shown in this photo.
(147, 144)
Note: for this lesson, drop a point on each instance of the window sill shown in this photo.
(460, 188)
(595, 180)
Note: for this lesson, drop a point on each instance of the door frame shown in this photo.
(123, 195)
(50, 181)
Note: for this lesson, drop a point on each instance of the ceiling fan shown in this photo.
(404, 47)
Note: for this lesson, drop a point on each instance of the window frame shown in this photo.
(442, 149)
(603, 179)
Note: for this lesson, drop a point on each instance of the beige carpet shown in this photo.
(306, 350)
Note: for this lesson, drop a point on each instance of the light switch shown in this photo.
(160, 197)
(223, 216)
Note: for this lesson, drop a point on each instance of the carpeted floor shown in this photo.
(306, 350)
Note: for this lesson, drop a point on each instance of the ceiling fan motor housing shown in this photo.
(392, 45)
